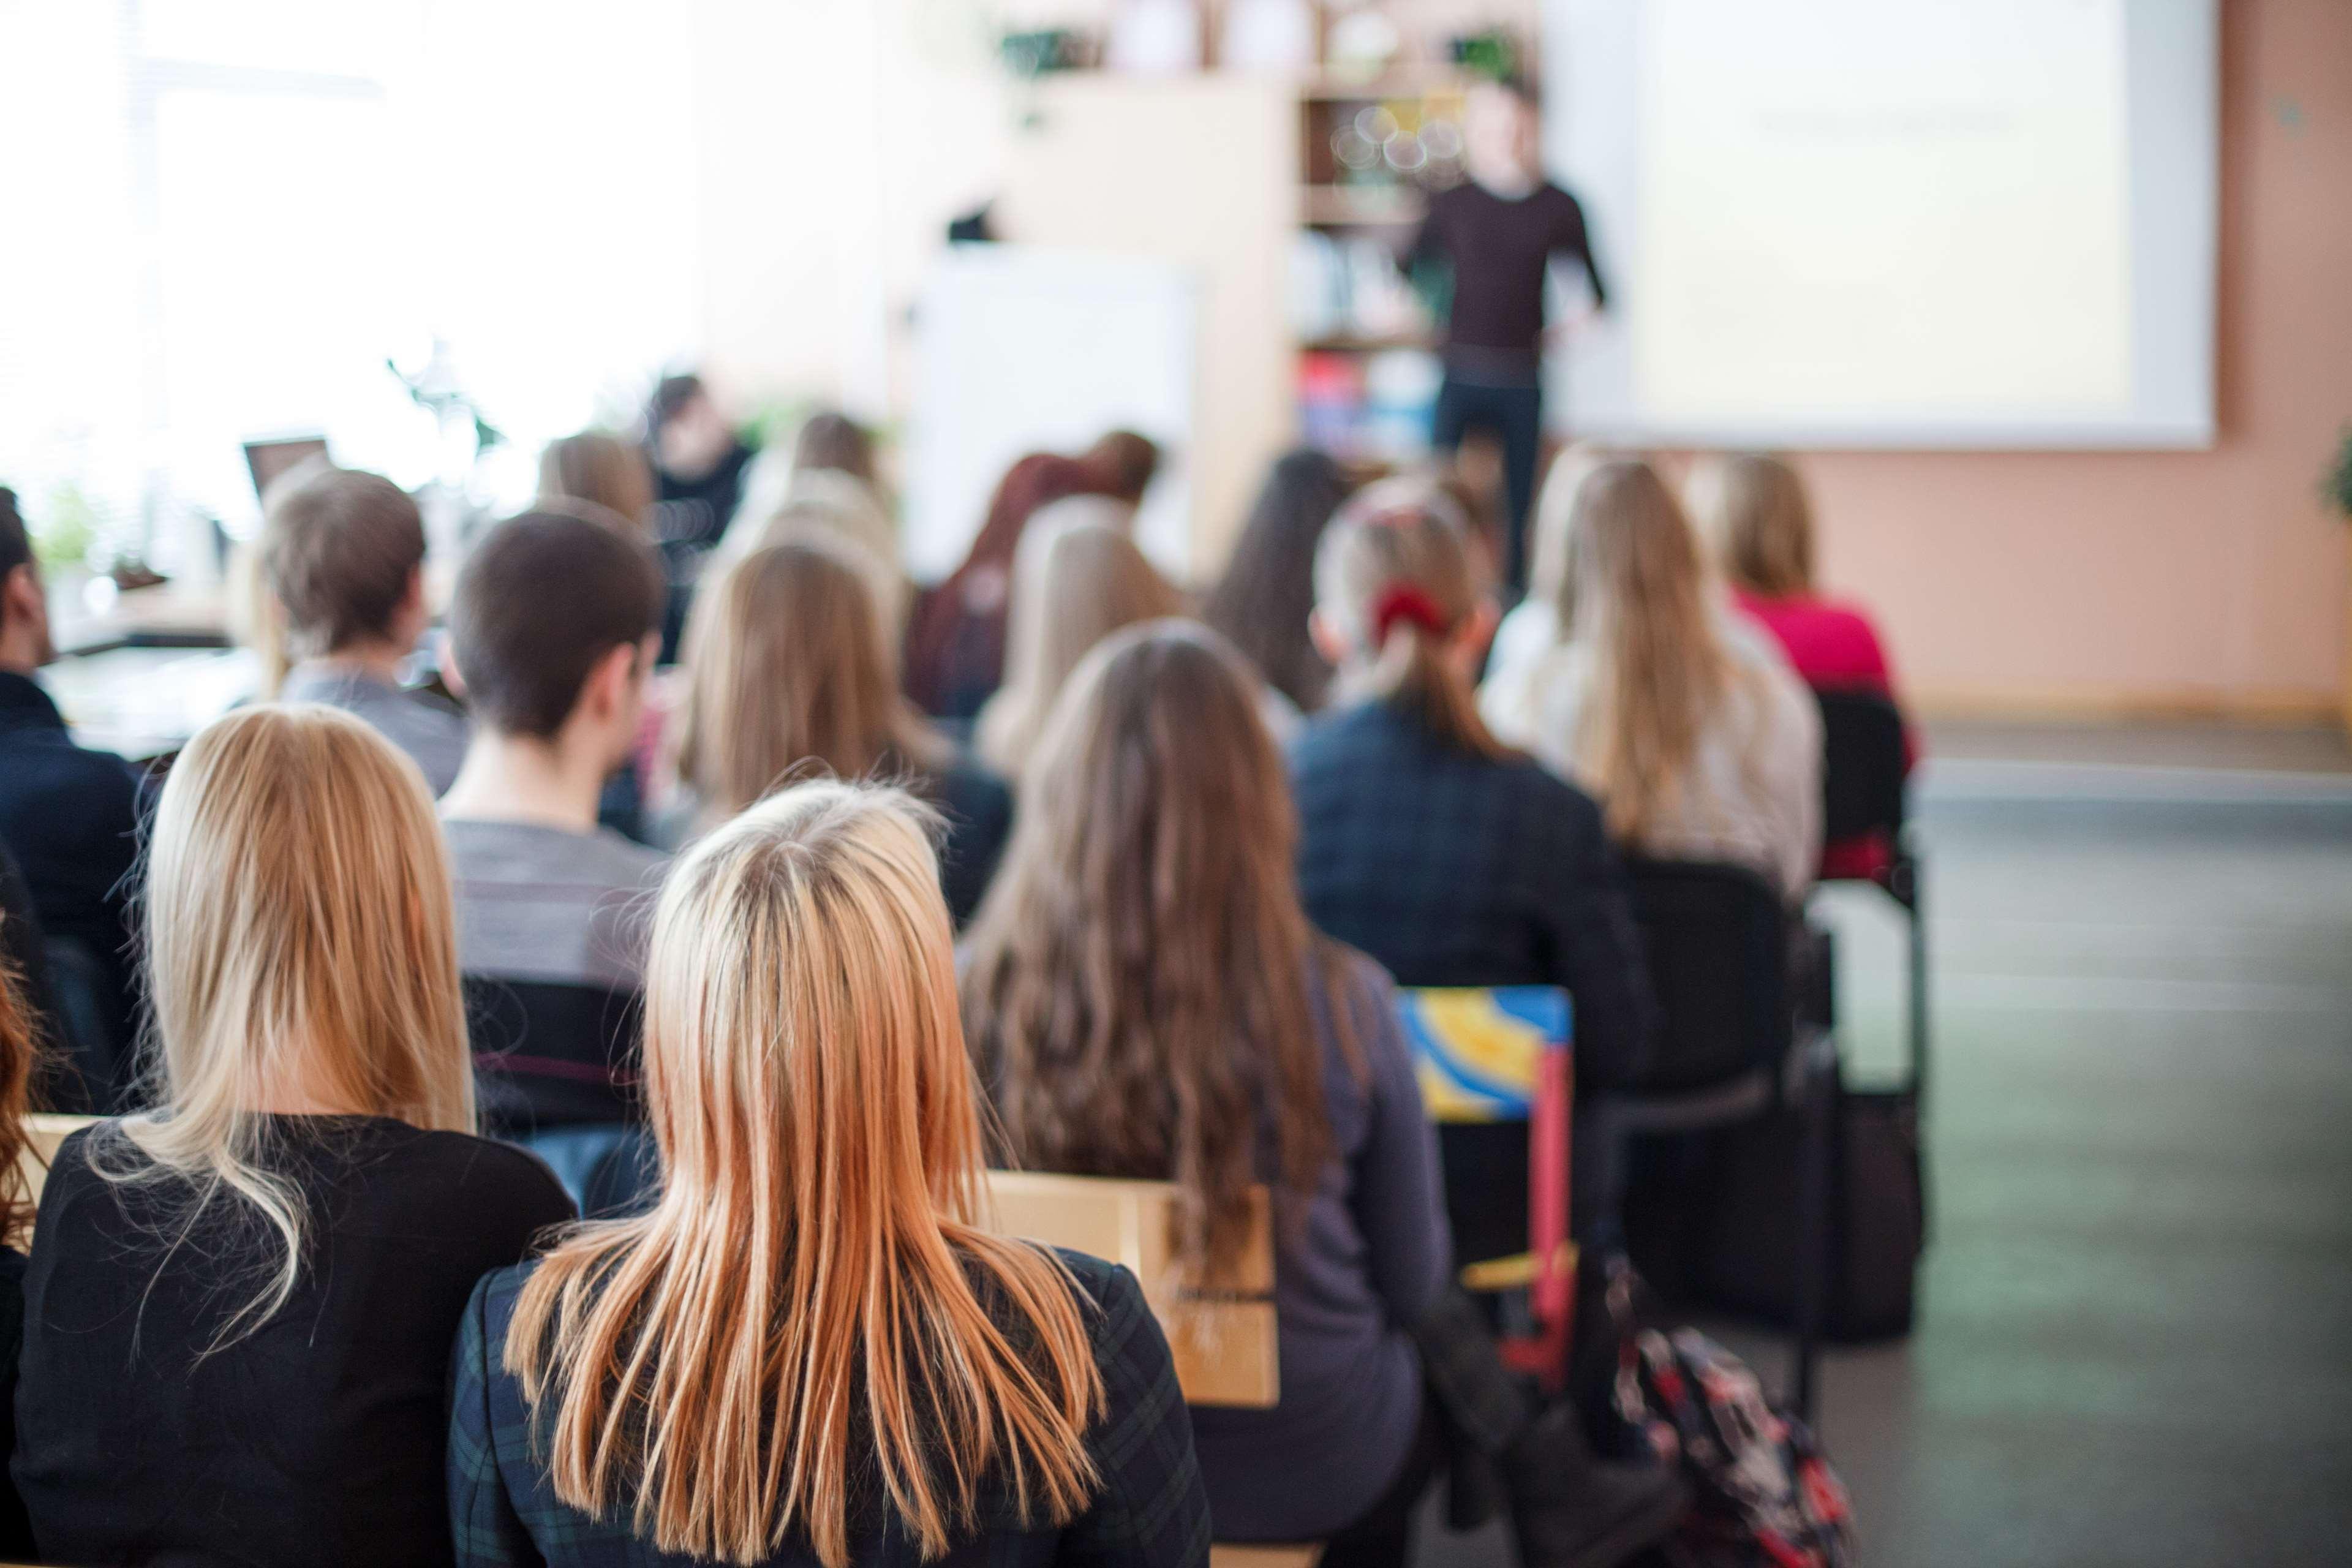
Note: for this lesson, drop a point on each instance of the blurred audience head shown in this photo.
(830, 440)
(1401, 609)
(344, 552)
(814, 1109)
(1125, 462)
(1554, 504)
(24, 643)
(553, 630)
(1752, 509)
(787, 670)
(1136, 979)
(300, 956)
(1263, 601)
(1633, 593)
(597, 465)
(1073, 583)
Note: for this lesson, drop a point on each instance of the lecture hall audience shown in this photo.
(788, 675)
(1073, 583)
(811, 1346)
(68, 815)
(598, 467)
(239, 1305)
(344, 552)
(1682, 718)
(1146, 999)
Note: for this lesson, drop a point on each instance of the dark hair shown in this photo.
(541, 599)
(341, 548)
(832, 439)
(1263, 600)
(16, 543)
(1125, 462)
(671, 394)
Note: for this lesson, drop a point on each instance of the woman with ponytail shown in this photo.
(1429, 845)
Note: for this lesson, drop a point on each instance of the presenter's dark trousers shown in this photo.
(1514, 416)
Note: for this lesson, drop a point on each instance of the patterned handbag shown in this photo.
(1767, 1496)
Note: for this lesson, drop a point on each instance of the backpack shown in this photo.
(1767, 1496)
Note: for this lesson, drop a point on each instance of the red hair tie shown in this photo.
(1406, 602)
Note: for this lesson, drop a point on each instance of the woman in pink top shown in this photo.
(1753, 511)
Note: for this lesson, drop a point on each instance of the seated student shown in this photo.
(1262, 602)
(955, 637)
(345, 554)
(1146, 999)
(809, 1348)
(239, 1307)
(598, 467)
(1752, 510)
(19, 1034)
(1423, 840)
(788, 674)
(552, 633)
(69, 816)
(1684, 723)
(825, 504)
(1449, 857)
(1073, 586)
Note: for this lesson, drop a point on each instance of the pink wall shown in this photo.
(2117, 582)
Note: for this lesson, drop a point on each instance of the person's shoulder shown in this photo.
(627, 863)
(1338, 733)
(1110, 1296)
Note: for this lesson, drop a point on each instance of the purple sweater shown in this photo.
(1374, 1256)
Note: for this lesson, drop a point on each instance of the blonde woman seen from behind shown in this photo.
(1684, 723)
(787, 677)
(598, 467)
(1073, 586)
(810, 1348)
(241, 1303)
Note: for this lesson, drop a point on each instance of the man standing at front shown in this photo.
(1499, 231)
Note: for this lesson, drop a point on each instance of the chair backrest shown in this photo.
(1714, 936)
(1863, 758)
(43, 1133)
(1480, 1050)
(551, 1055)
(1224, 1344)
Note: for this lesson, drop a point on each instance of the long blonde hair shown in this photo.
(1751, 508)
(1396, 576)
(786, 670)
(812, 1283)
(1548, 564)
(1633, 593)
(298, 930)
(1073, 586)
(1139, 978)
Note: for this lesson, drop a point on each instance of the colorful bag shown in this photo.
(1766, 1497)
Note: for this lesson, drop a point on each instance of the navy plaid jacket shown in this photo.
(1151, 1512)
(1456, 869)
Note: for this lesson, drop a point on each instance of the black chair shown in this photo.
(1734, 1045)
(1865, 756)
(548, 1055)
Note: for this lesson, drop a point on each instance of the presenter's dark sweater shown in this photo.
(1499, 249)
(319, 1437)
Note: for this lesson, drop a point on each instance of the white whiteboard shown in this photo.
(1891, 223)
(1023, 350)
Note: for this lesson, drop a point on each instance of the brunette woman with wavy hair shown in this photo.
(1147, 1000)
(810, 1348)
